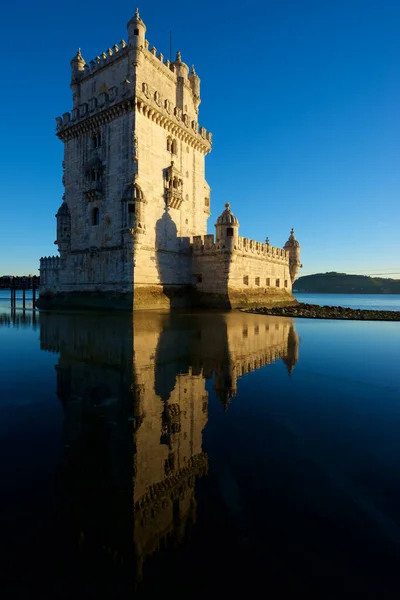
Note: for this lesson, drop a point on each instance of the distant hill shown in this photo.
(340, 283)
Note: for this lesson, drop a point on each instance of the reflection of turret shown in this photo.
(292, 355)
(225, 383)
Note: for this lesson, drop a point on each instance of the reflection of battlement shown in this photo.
(135, 408)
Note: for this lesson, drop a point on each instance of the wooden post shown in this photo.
(23, 298)
(33, 294)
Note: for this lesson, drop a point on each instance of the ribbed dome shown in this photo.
(292, 242)
(227, 217)
(132, 192)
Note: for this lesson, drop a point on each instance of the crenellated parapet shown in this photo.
(50, 262)
(50, 268)
(110, 56)
(206, 244)
(253, 248)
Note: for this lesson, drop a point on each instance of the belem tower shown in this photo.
(132, 227)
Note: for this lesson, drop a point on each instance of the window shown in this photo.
(95, 216)
(285, 282)
(136, 32)
(229, 232)
(96, 140)
(268, 282)
(278, 283)
(206, 201)
(246, 280)
(169, 145)
(257, 281)
(131, 215)
(245, 332)
(256, 330)
(174, 147)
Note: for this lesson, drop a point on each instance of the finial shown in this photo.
(227, 205)
(193, 72)
(292, 231)
(178, 57)
(137, 16)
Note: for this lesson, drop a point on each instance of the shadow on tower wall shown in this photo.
(174, 264)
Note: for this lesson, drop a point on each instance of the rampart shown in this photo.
(240, 271)
(50, 267)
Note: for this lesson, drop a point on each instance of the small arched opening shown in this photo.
(95, 216)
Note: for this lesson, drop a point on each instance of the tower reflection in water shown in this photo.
(135, 407)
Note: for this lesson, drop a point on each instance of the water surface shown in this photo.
(199, 453)
(363, 301)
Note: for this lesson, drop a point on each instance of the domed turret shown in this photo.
(292, 353)
(181, 68)
(78, 65)
(195, 85)
(227, 228)
(293, 247)
(136, 30)
(225, 384)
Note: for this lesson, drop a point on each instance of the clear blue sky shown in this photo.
(302, 97)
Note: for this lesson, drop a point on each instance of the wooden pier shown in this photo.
(28, 285)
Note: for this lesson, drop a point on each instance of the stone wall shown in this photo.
(248, 273)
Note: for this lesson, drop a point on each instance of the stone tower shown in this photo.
(132, 227)
(134, 176)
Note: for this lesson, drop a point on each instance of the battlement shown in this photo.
(206, 244)
(103, 60)
(252, 247)
(50, 262)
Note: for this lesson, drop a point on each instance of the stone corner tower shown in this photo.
(134, 177)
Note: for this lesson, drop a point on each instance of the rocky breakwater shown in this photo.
(314, 311)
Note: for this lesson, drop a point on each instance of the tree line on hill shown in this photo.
(341, 283)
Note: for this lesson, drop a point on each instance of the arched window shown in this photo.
(169, 144)
(174, 147)
(95, 216)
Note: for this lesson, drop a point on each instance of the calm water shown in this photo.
(190, 454)
(365, 301)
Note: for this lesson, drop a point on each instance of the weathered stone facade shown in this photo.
(131, 230)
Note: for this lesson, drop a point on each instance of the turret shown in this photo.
(195, 85)
(78, 66)
(293, 247)
(181, 68)
(227, 229)
(63, 240)
(225, 384)
(136, 31)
